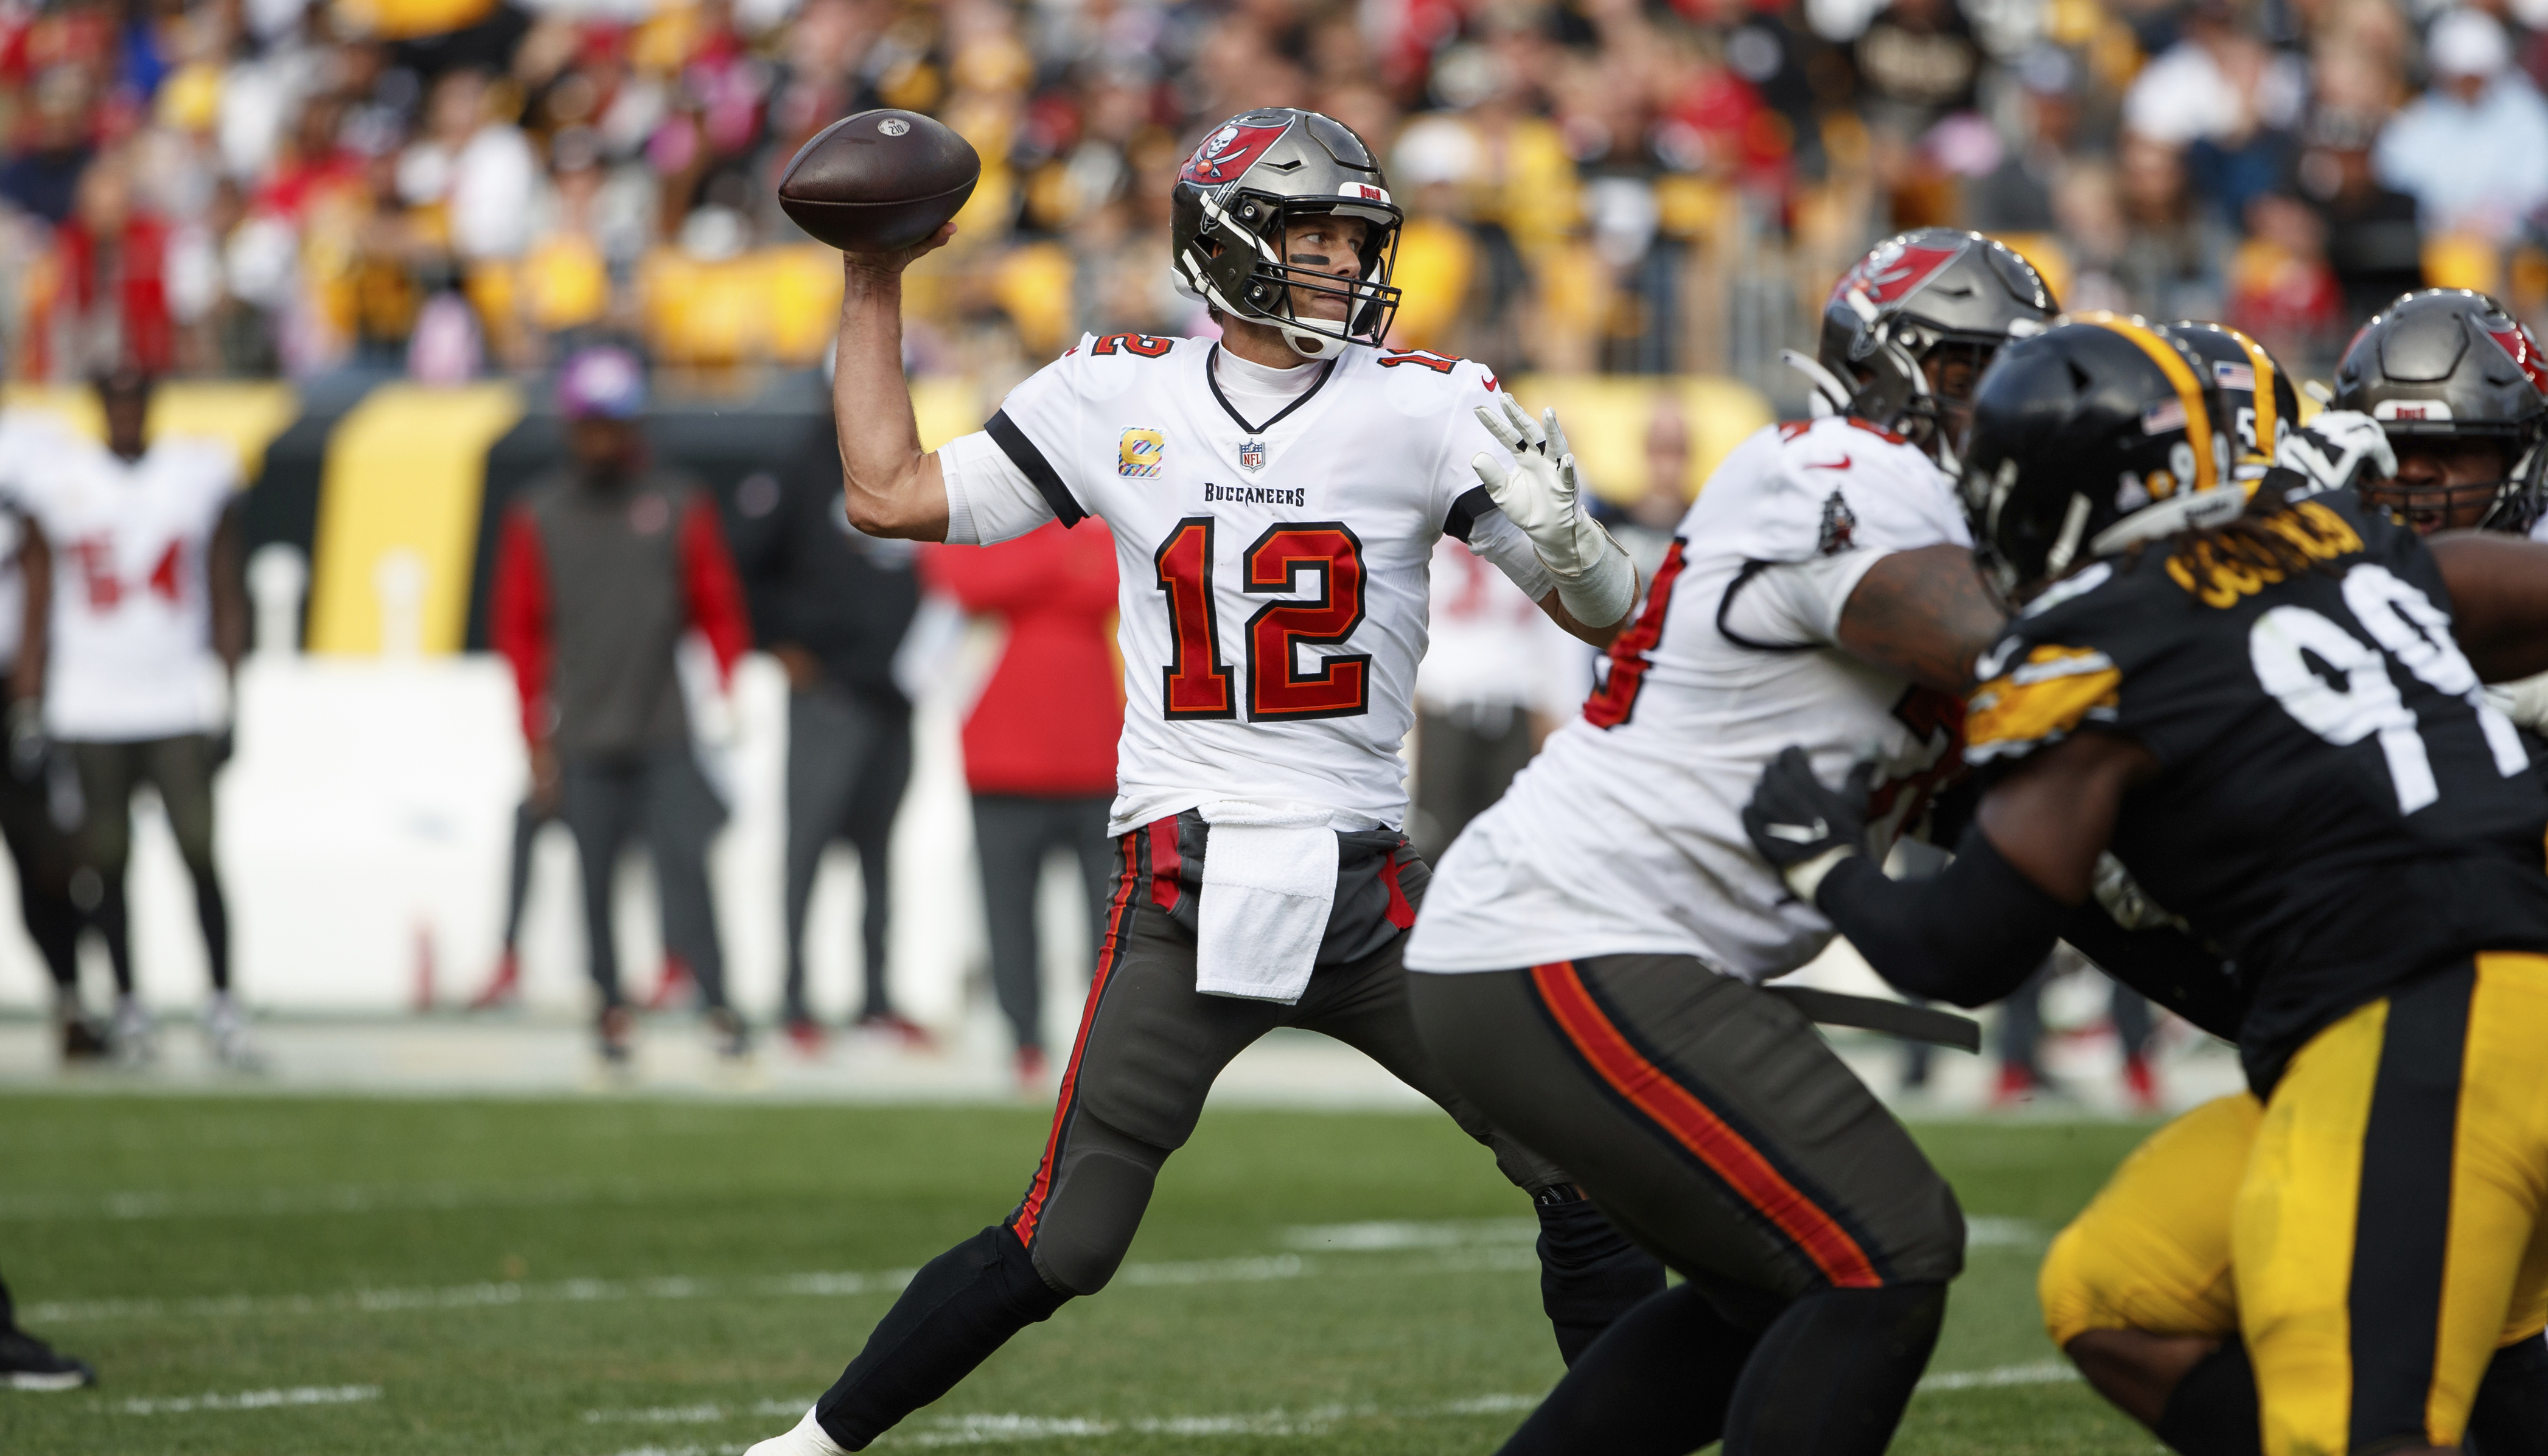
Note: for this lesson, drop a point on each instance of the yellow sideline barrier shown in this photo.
(1609, 417)
(405, 472)
(247, 413)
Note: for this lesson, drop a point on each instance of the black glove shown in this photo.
(29, 747)
(1795, 821)
(221, 746)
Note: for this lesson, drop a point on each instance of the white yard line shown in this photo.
(305, 1394)
(1471, 1246)
(821, 1285)
(991, 1429)
(2040, 1371)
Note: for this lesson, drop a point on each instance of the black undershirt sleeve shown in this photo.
(1968, 935)
(2165, 965)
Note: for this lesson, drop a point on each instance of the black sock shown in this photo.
(2510, 1416)
(954, 1313)
(1654, 1383)
(2213, 1410)
(1589, 1274)
(1832, 1374)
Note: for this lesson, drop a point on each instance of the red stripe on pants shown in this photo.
(1118, 918)
(1696, 1127)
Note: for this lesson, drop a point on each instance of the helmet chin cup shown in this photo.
(1310, 346)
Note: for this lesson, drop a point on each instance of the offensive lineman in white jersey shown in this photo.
(1275, 498)
(136, 620)
(1590, 959)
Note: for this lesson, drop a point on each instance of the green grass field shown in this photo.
(302, 1277)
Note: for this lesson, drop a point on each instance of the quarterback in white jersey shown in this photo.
(135, 618)
(1585, 968)
(1275, 497)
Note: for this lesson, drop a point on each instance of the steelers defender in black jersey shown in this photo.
(2435, 406)
(2258, 703)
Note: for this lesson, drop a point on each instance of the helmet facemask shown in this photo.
(1256, 224)
(2509, 501)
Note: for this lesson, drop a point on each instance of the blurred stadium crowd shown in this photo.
(451, 187)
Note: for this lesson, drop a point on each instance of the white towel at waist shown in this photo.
(1269, 881)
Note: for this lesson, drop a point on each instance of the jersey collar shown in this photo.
(1212, 376)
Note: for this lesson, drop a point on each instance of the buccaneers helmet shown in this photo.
(1252, 176)
(2087, 438)
(2252, 399)
(1919, 294)
(2452, 363)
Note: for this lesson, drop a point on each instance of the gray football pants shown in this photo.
(1709, 1119)
(1150, 1046)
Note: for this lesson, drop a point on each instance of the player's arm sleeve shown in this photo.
(989, 498)
(1477, 523)
(1792, 606)
(708, 580)
(518, 617)
(1969, 935)
(2163, 963)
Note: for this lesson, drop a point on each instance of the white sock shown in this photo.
(807, 1438)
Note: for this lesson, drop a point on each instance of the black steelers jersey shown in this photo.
(2338, 808)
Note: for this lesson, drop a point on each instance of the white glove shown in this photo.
(2336, 446)
(2524, 700)
(1544, 497)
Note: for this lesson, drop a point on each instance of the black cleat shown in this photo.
(28, 1364)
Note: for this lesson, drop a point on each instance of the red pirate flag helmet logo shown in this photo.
(2525, 350)
(1894, 271)
(1227, 154)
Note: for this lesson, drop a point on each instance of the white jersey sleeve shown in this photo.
(989, 499)
(1625, 835)
(1790, 604)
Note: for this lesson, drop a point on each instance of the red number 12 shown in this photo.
(1197, 684)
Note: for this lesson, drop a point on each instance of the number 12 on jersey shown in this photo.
(1197, 684)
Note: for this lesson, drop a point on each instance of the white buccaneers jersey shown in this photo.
(1625, 836)
(131, 647)
(1273, 569)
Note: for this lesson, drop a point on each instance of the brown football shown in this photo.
(878, 181)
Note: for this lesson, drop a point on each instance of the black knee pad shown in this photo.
(1088, 1223)
(1870, 1344)
(2213, 1410)
(1590, 1273)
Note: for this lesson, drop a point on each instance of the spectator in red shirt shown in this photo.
(1040, 742)
(601, 570)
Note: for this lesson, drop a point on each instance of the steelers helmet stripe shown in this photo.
(2267, 430)
(2189, 389)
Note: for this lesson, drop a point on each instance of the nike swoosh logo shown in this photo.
(1800, 834)
(1840, 464)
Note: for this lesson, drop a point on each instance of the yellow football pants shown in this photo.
(2375, 1231)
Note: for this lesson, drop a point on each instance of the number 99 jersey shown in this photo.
(2337, 807)
(1274, 568)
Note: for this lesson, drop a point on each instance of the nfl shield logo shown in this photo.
(1252, 455)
